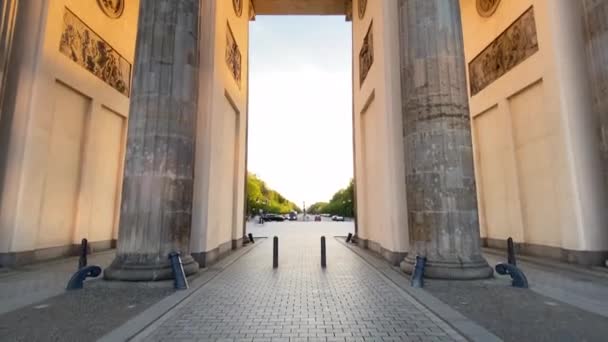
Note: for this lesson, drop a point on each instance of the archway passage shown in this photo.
(173, 196)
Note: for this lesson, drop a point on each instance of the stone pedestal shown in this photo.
(440, 179)
(155, 217)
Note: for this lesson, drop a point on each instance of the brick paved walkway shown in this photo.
(349, 301)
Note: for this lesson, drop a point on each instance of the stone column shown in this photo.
(440, 180)
(8, 14)
(155, 217)
(596, 43)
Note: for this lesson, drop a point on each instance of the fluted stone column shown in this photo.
(155, 217)
(440, 180)
(8, 14)
(596, 43)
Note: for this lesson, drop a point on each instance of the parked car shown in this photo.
(337, 218)
(274, 217)
(293, 216)
(317, 218)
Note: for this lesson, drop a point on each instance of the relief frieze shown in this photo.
(85, 47)
(366, 56)
(513, 46)
(233, 56)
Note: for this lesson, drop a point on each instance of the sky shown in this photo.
(300, 105)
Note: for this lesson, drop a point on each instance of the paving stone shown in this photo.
(300, 301)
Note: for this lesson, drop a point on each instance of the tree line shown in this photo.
(260, 196)
(342, 203)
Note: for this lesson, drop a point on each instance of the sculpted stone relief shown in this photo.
(238, 7)
(366, 56)
(486, 8)
(233, 56)
(509, 49)
(112, 8)
(362, 7)
(85, 47)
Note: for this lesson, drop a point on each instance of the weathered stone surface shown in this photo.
(440, 180)
(596, 41)
(155, 215)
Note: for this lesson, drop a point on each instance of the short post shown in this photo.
(180, 282)
(511, 252)
(275, 252)
(349, 237)
(84, 249)
(251, 238)
(323, 253)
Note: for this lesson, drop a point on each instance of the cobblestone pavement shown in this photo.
(299, 301)
(37, 282)
(82, 315)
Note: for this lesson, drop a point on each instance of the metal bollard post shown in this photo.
(84, 249)
(275, 252)
(511, 252)
(349, 237)
(180, 282)
(251, 238)
(323, 253)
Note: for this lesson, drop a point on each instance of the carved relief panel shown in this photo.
(238, 7)
(233, 56)
(366, 55)
(85, 47)
(486, 8)
(112, 8)
(362, 5)
(510, 48)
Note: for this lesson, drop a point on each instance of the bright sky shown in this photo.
(300, 100)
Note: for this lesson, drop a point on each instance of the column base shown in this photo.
(450, 269)
(127, 268)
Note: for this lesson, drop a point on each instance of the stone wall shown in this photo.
(535, 138)
(219, 190)
(379, 156)
(65, 128)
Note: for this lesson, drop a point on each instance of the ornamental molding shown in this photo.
(112, 8)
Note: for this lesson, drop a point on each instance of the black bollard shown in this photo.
(349, 237)
(275, 252)
(418, 274)
(77, 280)
(511, 252)
(323, 253)
(251, 238)
(180, 282)
(84, 249)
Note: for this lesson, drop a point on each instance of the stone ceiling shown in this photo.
(310, 7)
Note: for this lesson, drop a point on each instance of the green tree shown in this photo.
(317, 208)
(342, 202)
(260, 196)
